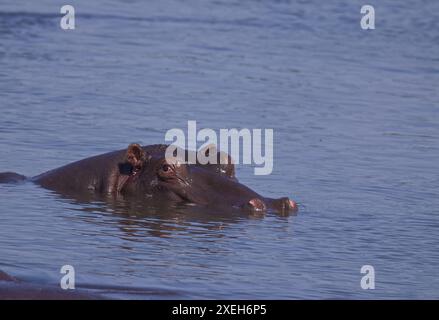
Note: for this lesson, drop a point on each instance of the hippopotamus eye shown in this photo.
(166, 169)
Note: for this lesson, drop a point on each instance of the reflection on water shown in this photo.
(139, 218)
(113, 237)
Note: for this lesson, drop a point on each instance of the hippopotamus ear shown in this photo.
(135, 155)
(221, 161)
(226, 163)
(207, 154)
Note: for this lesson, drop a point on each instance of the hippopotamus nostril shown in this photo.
(287, 205)
(257, 204)
(293, 205)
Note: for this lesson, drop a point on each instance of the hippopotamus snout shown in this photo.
(282, 205)
(207, 187)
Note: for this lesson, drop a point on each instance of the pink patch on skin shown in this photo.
(293, 205)
(257, 204)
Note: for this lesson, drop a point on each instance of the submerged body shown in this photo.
(145, 172)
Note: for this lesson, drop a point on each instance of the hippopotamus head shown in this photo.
(174, 179)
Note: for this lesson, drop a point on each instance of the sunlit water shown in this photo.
(356, 128)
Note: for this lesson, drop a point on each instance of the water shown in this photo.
(355, 118)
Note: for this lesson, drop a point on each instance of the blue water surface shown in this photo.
(355, 115)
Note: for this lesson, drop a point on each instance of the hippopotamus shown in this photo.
(146, 172)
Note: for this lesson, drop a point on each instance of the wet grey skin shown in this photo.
(144, 172)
